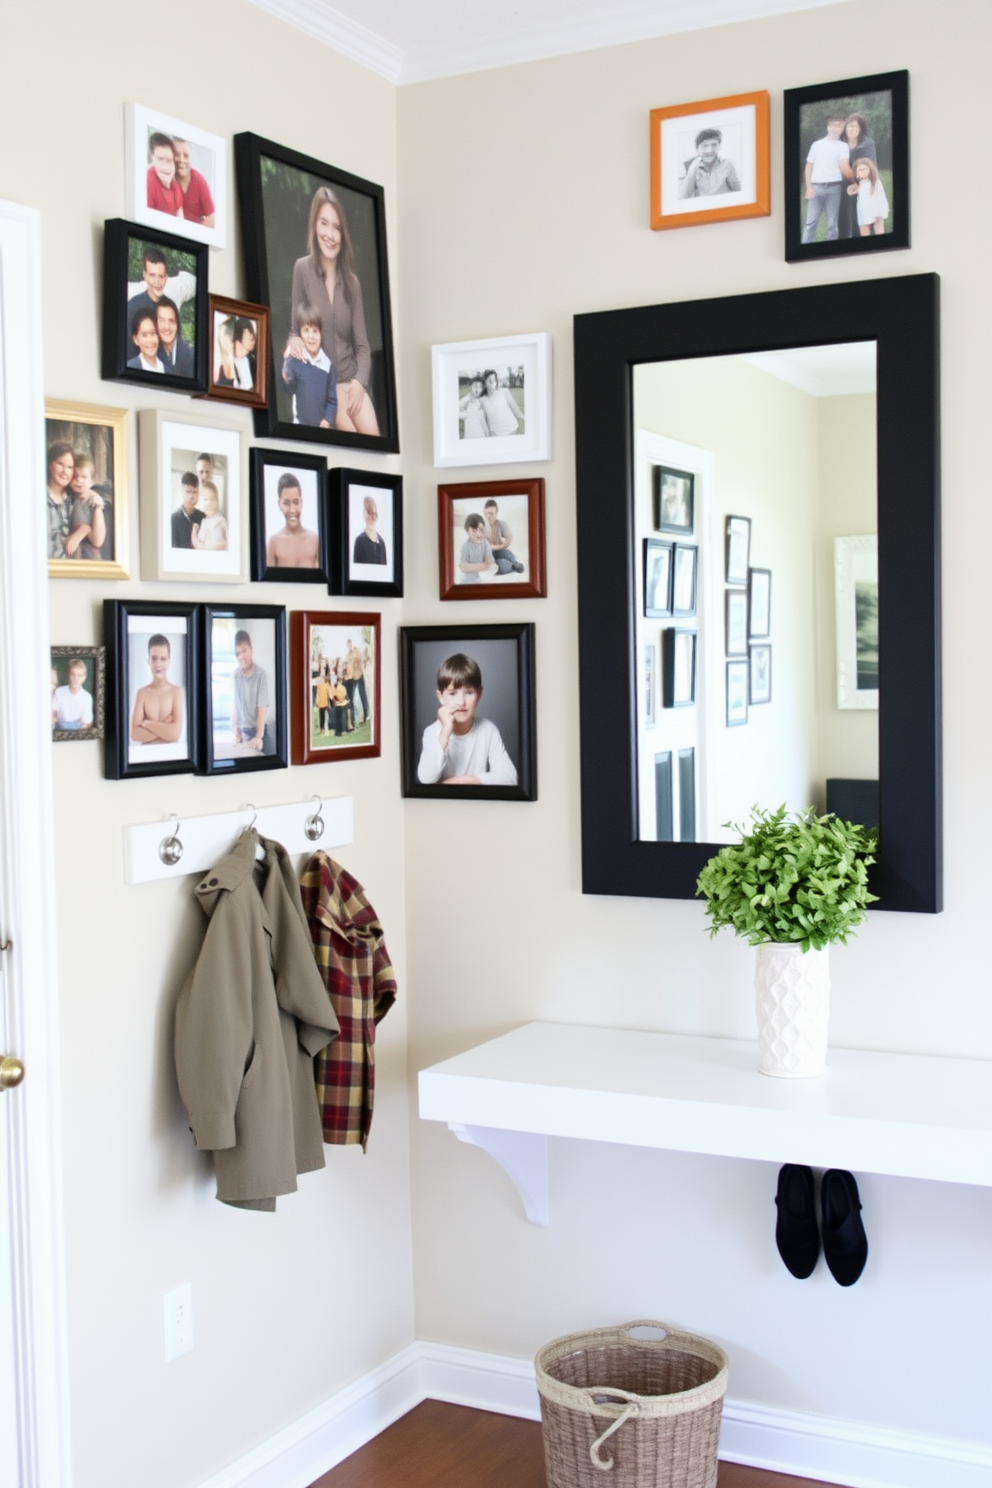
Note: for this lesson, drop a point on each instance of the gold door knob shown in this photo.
(11, 1072)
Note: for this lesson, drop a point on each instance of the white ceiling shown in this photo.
(823, 371)
(409, 41)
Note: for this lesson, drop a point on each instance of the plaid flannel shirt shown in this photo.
(354, 963)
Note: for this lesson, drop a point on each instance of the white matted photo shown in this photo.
(192, 499)
(709, 161)
(176, 175)
(158, 711)
(371, 534)
(492, 400)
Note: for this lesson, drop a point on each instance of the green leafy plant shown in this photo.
(793, 877)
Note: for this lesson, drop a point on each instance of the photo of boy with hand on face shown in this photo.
(460, 748)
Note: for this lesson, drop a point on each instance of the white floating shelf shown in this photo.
(207, 839)
(913, 1116)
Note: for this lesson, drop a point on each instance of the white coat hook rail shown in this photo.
(170, 849)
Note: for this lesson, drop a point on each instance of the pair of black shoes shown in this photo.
(845, 1245)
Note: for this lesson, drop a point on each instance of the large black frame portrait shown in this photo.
(901, 316)
(277, 187)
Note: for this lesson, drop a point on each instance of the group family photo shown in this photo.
(342, 664)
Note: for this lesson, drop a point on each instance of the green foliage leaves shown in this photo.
(792, 877)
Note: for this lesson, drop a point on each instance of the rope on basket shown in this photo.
(633, 1409)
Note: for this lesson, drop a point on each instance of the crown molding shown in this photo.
(317, 19)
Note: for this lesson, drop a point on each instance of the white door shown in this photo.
(34, 1408)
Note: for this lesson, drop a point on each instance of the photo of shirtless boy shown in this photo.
(292, 546)
(158, 714)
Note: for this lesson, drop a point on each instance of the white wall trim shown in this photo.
(842, 1452)
(321, 21)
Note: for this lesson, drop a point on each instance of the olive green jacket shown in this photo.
(252, 1014)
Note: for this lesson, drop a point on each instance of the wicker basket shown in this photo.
(657, 1400)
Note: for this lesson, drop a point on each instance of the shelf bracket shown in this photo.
(523, 1156)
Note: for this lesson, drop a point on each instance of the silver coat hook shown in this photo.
(254, 815)
(314, 824)
(170, 849)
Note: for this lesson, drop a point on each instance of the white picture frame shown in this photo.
(856, 586)
(466, 434)
(208, 155)
(170, 446)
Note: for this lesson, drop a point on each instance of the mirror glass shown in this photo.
(756, 595)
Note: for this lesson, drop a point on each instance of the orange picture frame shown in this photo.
(740, 123)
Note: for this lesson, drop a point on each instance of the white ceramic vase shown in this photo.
(792, 1000)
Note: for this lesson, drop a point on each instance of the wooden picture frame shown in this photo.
(690, 169)
(492, 400)
(322, 644)
(161, 639)
(366, 554)
(238, 370)
(508, 506)
(145, 271)
(99, 435)
(289, 517)
(228, 704)
(76, 718)
(172, 448)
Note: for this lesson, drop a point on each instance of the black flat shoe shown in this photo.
(796, 1234)
(845, 1244)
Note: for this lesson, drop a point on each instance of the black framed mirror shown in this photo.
(898, 315)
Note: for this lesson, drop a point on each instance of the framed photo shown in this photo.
(760, 683)
(738, 549)
(78, 692)
(678, 667)
(87, 466)
(193, 526)
(491, 540)
(674, 500)
(710, 161)
(336, 680)
(154, 309)
(244, 688)
(738, 674)
(172, 167)
(290, 530)
(366, 525)
(468, 712)
(492, 400)
(736, 602)
(684, 580)
(650, 684)
(657, 578)
(315, 251)
(847, 167)
(239, 352)
(856, 602)
(759, 604)
(153, 680)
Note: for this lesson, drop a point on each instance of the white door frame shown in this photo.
(27, 857)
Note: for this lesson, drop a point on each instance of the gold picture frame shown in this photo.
(76, 425)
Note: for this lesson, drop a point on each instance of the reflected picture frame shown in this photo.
(311, 743)
(657, 577)
(759, 603)
(456, 502)
(685, 566)
(738, 549)
(674, 494)
(760, 675)
(856, 594)
(79, 424)
(678, 667)
(358, 568)
(738, 681)
(736, 622)
(130, 628)
(271, 473)
(94, 659)
(219, 703)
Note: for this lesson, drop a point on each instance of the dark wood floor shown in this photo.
(449, 1446)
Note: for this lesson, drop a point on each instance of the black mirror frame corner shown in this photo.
(901, 314)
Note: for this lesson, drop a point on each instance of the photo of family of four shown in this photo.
(79, 517)
(489, 403)
(173, 185)
(844, 189)
(486, 552)
(198, 521)
(162, 333)
(460, 747)
(338, 686)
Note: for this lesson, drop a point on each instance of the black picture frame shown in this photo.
(347, 492)
(658, 585)
(858, 96)
(218, 700)
(678, 684)
(901, 314)
(735, 643)
(759, 685)
(128, 628)
(759, 607)
(674, 496)
(267, 469)
(422, 649)
(737, 564)
(276, 186)
(738, 685)
(686, 555)
(119, 308)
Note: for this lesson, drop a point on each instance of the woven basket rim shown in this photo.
(580, 1398)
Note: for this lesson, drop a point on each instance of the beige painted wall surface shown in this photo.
(286, 1308)
(525, 200)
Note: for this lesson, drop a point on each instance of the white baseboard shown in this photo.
(842, 1452)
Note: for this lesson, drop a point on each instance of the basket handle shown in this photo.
(664, 1328)
(633, 1409)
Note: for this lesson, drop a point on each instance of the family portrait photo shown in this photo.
(710, 161)
(152, 660)
(87, 463)
(288, 517)
(191, 498)
(491, 540)
(239, 355)
(315, 251)
(336, 686)
(155, 309)
(246, 688)
(492, 400)
(176, 175)
(78, 692)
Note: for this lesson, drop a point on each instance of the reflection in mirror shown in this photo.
(755, 524)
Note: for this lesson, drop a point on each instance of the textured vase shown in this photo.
(792, 1001)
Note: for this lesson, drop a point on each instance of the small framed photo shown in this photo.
(468, 712)
(674, 500)
(336, 681)
(290, 530)
(154, 309)
(492, 400)
(710, 161)
(760, 682)
(650, 684)
(153, 680)
(244, 688)
(315, 251)
(87, 465)
(684, 580)
(736, 602)
(759, 605)
(856, 604)
(847, 167)
(491, 540)
(239, 352)
(78, 692)
(193, 526)
(678, 667)
(738, 674)
(738, 549)
(366, 524)
(657, 578)
(175, 176)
